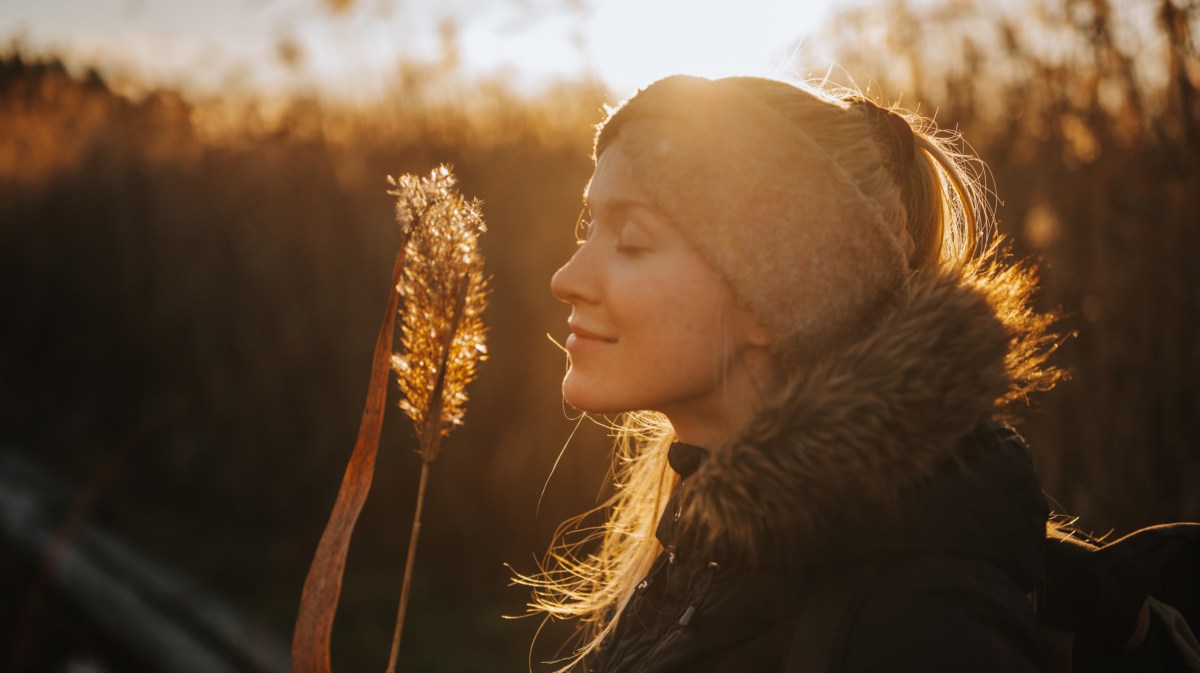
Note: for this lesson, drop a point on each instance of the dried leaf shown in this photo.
(323, 585)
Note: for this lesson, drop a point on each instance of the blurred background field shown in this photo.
(192, 281)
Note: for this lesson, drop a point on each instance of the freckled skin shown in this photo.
(654, 326)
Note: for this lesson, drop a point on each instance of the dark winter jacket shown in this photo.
(874, 518)
(941, 587)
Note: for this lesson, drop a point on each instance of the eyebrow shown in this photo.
(622, 205)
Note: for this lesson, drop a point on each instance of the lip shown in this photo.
(582, 338)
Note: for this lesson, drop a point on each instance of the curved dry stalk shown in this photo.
(323, 584)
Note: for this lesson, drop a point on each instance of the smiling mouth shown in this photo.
(580, 336)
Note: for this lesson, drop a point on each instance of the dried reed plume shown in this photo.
(444, 294)
(439, 275)
(442, 332)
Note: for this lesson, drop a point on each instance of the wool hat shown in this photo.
(770, 210)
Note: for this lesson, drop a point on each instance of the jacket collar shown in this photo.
(849, 446)
(685, 458)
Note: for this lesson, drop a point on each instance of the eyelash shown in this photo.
(629, 249)
(584, 227)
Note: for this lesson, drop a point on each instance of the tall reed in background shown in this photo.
(439, 275)
(442, 330)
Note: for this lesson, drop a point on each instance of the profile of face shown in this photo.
(653, 326)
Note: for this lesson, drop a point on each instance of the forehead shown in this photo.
(614, 179)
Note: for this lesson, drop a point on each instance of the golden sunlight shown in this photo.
(637, 42)
(352, 51)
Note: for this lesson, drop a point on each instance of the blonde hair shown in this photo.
(937, 194)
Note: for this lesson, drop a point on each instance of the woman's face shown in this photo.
(652, 324)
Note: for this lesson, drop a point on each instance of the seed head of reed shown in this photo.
(444, 293)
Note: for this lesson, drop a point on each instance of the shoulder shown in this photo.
(933, 614)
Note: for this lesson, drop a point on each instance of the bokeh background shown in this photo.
(195, 248)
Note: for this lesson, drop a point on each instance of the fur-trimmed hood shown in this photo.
(868, 436)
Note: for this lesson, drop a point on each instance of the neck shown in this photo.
(716, 419)
(708, 431)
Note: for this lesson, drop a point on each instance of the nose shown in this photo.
(572, 282)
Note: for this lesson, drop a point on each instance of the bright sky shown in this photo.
(210, 43)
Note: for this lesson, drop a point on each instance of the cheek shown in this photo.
(683, 323)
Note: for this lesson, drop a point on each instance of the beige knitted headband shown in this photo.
(771, 211)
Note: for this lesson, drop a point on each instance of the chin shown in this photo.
(583, 397)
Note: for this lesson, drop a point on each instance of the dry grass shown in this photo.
(210, 283)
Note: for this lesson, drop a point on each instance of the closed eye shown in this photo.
(632, 239)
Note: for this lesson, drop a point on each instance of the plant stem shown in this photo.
(408, 568)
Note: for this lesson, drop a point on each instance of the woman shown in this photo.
(786, 295)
